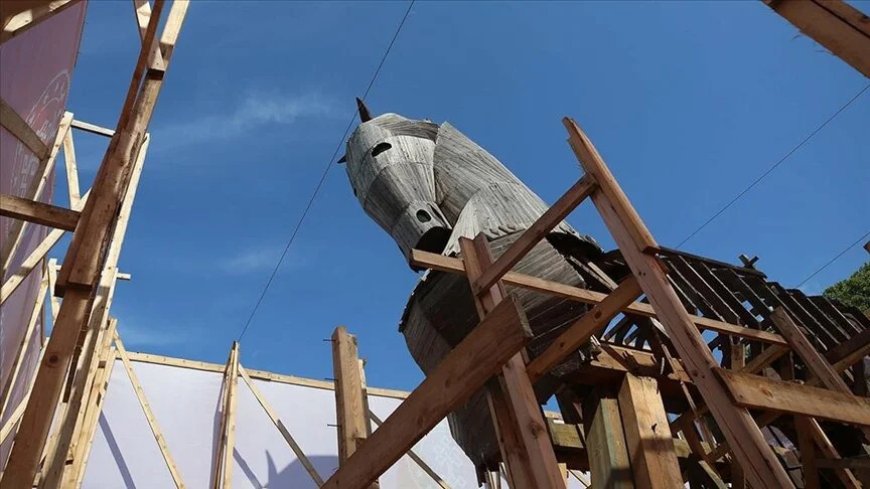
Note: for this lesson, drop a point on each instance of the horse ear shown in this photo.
(364, 114)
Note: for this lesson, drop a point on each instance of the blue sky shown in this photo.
(688, 103)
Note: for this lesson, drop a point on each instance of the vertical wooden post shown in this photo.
(647, 434)
(351, 407)
(738, 363)
(808, 452)
(762, 469)
(609, 464)
(222, 476)
(522, 432)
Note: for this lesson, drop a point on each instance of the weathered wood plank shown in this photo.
(753, 391)
(454, 265)
(38, 212)
(477, 358)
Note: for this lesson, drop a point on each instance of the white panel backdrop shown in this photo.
(184, 401)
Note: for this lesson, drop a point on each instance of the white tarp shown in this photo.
(185, 402)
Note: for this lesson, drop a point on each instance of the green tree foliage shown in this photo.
(854, 291)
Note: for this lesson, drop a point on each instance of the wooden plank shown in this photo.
(9, 424)
(417, 459)
(460, 374)
(815, 362)
(92, 128)
(10, 246)
(851, 348)
(832, 23)
(273, 415)
(756, 392)
(535, 233)
(223, 464)
(21, 350)
(25, 14)
(648, 439)
(18, 127)
(351, 411)
(579, 333)
(808, 452)
(38, 212)
(738, 363)
(149, 414)
(609, 463)
(827, 450)
(759, 463)
(72, 171)
(531, 462)
(425, 259)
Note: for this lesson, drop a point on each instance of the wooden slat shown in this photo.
(26, 14)
(577, 334)
(223, 463)
(149, 414)
(72, 171)
(351, 411)
(808, 452)
(521, 429)
(9, 247)
(815, 362)
(609, 464)
(648, 438)
(535, 233)
(38, 212)
(753, 391)
(92, 128)
(834, 24)
(460, 374)
(273, 415)
(755, 456)
(18, 127)
(442, 263)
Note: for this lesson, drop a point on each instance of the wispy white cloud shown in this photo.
(256, 110)
(137, 337)
(256, 260)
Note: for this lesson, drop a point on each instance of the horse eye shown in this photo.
(380, 148)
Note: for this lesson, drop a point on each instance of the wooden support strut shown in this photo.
(762, 468)
(522, 432)
(351, 412)
(222, 475)
(38, 212)
(460, 374)
(86, 256)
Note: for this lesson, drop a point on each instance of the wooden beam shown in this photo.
(535, 233)
(25, 14)
(350, 406)
(149, 413)
(92, 128)
(85, 259)
(18, 127)
(522, 431)
(647, 435)
(578, 334)
(425, 259)
(222, 477)
(808, 452)
(753, 391)
(460, 374)
(38, 212)
(609, 464)
(9, 247)
(416, 458)
(635, 242)
(72, 171)
(264, 403)
(850, 351)
(836, 25)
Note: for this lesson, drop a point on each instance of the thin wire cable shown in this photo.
(323, 176)
(832, 260)
(775, 165)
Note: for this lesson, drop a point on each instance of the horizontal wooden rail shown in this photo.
(501, 334)
(38, 212)
(425, 259)
(756, 392)
(535, 233)
(92, 128)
